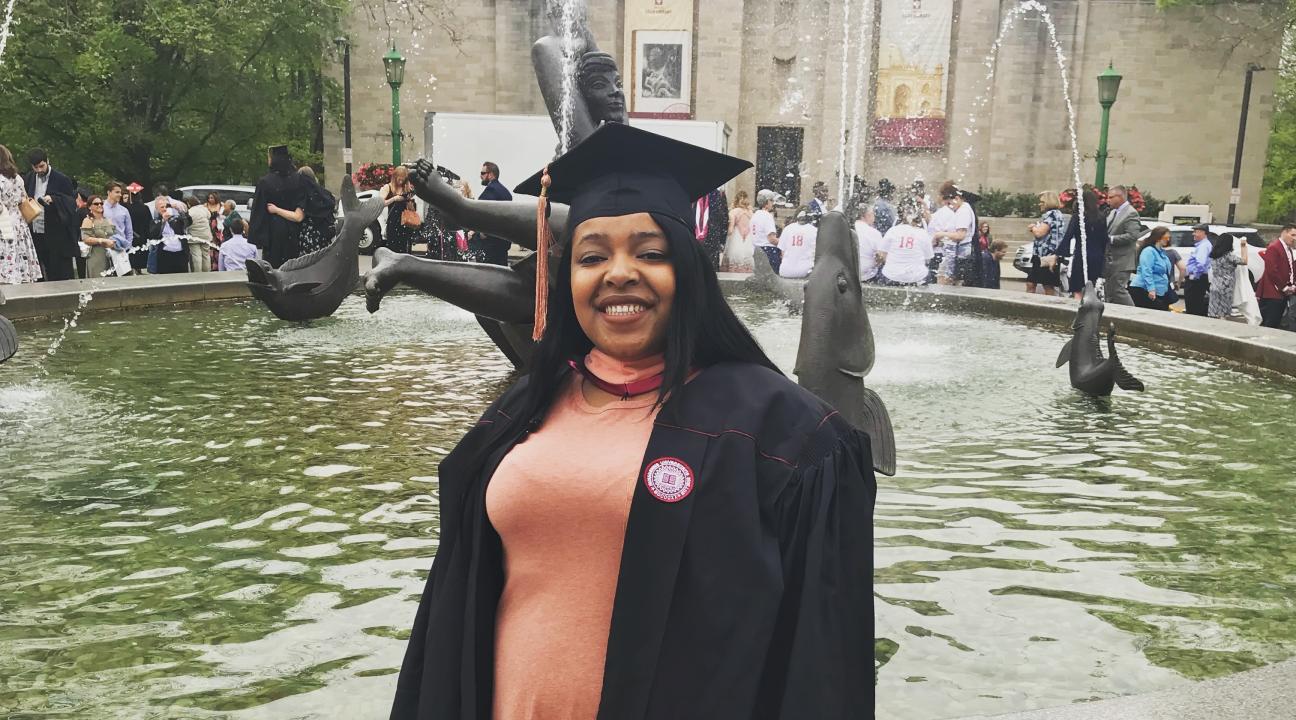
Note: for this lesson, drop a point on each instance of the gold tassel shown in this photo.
(543, 238)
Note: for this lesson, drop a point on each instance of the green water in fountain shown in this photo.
(210, 513)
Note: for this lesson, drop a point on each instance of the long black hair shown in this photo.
(1221, 245)
(702, 329)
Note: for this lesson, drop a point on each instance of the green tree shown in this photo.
(158, 90)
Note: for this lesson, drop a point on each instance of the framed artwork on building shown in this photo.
(912, 83)
(661, 74)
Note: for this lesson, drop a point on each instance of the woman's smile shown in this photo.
(623, 284)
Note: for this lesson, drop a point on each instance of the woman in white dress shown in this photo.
(737, 256)
(18, 263)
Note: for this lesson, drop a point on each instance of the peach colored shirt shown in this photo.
(560, 501)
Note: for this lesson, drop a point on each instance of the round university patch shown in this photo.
(669, 479)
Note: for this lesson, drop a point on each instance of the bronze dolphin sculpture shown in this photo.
(8, 336)
(8, 339)
(1091, 373)
(764, 278)
(836, 351)
(313, 286)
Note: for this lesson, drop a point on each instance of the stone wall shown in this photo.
(778, 62)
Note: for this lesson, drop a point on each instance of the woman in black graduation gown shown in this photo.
(744, 587)
(278, 209)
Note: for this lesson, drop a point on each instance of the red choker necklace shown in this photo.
(625, 391)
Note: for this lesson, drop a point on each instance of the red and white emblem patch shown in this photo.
(669, 479)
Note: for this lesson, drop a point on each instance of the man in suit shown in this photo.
(1277, 285)
(487, 249)
(1124, 228)
(55, 231)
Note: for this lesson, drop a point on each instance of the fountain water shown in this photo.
(991, 63)
(861, 62)
(4, 29)
(569, 42)
(83, 300)
(842, 181)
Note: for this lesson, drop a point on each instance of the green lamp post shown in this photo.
(1108, 85)
(394, 64)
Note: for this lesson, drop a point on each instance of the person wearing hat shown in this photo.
(954, 225)
(277, 209)
(654, 522)
(763, 231)
(1197, 274)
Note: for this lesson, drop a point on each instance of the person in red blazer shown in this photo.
(1278, 284)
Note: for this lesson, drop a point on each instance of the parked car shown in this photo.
(1022, 258)
(1181, 237)
(240, 194)
(373, 235)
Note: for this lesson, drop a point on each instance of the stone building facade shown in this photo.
(772, 70)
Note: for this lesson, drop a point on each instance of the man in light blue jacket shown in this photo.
(1197, 284)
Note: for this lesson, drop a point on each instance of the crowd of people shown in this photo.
(53, 229)
(907, 240)
(1140, 267)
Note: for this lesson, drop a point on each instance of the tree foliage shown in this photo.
(157, 90)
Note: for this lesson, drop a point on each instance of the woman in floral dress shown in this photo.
(18, 263)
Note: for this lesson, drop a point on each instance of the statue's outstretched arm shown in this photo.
(514, 221)
(493, 291)
(547, 59)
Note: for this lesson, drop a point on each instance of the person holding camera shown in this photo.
(1277, 286)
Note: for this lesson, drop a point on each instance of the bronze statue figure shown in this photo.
(504, 298)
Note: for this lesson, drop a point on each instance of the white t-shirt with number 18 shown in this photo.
(908, 250)
(798, 245)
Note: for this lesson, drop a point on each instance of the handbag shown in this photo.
(410, 217)
(30, 209)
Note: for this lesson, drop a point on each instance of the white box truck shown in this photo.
(522, 144)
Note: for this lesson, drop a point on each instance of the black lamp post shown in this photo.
(344, 47)
(1235, 191)
(394, 64)
(1108, 86)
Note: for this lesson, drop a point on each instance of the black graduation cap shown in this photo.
(621, 170)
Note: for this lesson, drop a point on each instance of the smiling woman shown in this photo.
(653, 523)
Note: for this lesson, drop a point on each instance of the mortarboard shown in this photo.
(620, 170)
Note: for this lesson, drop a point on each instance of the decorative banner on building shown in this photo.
(659, 56)
(913, 55)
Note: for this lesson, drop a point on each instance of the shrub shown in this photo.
(1002, 203)
(1154, 206)
(372, 176)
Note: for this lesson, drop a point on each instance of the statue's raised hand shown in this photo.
(431, 187)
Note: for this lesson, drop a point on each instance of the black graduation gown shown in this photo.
(62, 228)
(749, 598)
(277, 237)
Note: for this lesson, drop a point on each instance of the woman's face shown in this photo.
(1164, 240)
(623, 284)
(96, 207)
